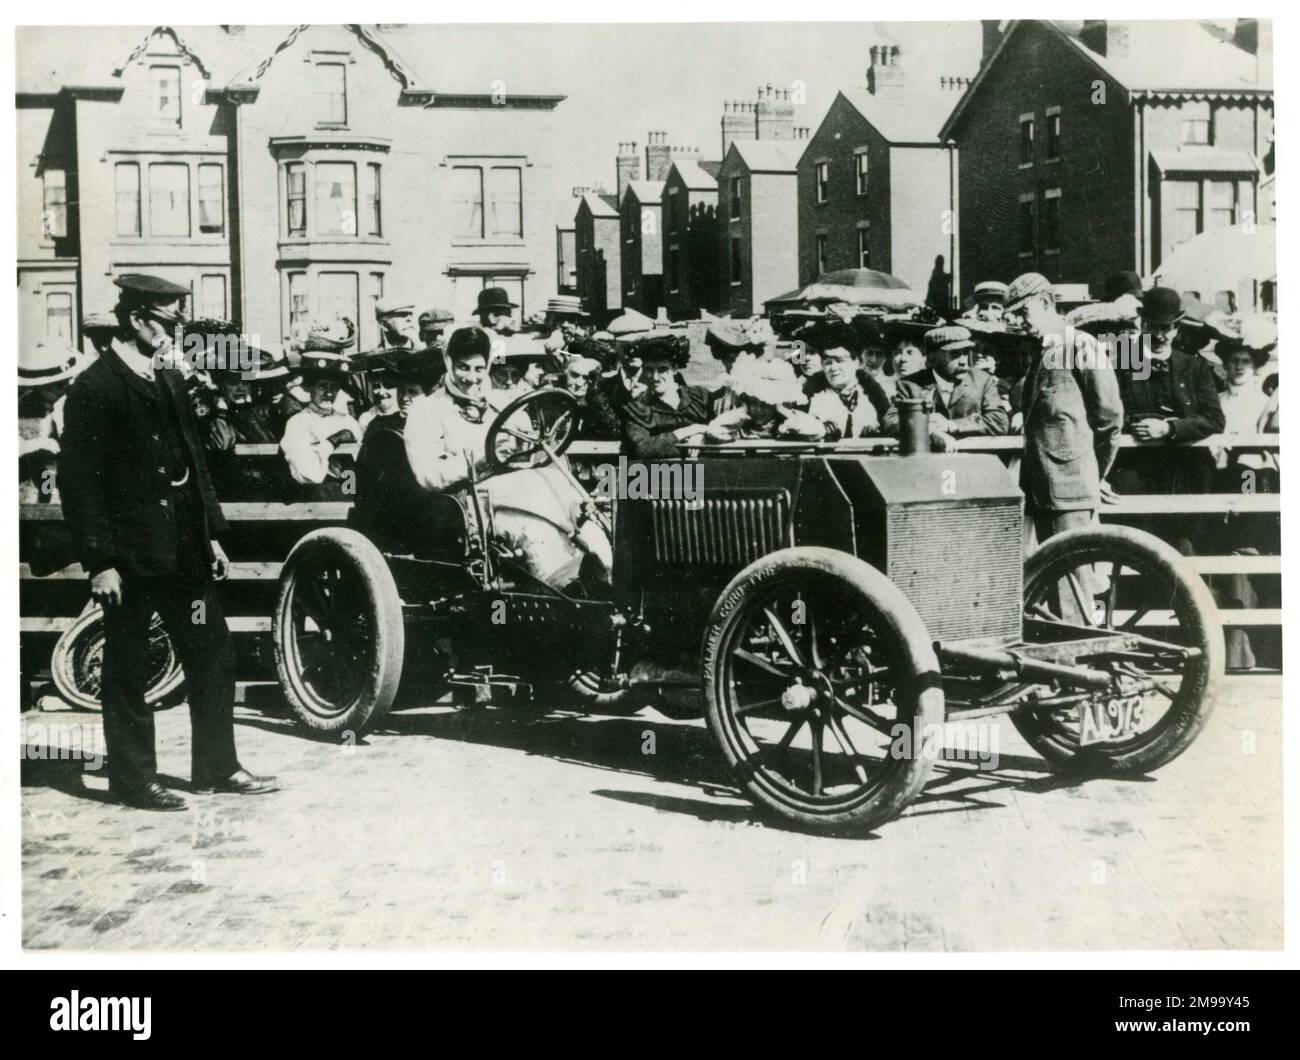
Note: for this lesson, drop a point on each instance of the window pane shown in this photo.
(864, 248)
(331, 94)
(55, 218)
(296, 184)
(212, 206)
(1051, 222)
(1026, 141)
(862, 173)
(1223, 204)
(1054, 136)
(735, 196)
(127, 177)
(507, 205)
(467, 201)
(212, 297)
(336, 199)
(338, 298)
(821, 254)
(374, 295)
(1026, 227)
(374, 222)
(58, 316)
(165, 83)
(735, 259)
(297, 303)
(823, 179)
(169, 199)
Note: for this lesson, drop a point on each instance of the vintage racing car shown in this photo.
(828, 611)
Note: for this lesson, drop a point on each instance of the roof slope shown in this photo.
(769, 156)
(694, 176)
(911, 117)
(1179, 57)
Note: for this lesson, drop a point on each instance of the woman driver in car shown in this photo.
(536, 511)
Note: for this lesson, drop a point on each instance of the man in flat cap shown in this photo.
(966, 400)
(1072, 416)
(140, 504)
(434, 323)
(397, 326)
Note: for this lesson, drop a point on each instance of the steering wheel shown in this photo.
(531, 430)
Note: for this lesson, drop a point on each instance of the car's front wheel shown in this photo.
(338, 633)
(822, 689)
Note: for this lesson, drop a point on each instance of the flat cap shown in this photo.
(384, 310)
(990, 291)
(1026, 286)
(948, 339)
(436, 316)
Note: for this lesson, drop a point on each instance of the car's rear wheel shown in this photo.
(822, 689)
(338, 632)
(1137, 584)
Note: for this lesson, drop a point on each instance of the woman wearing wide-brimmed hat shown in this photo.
(44, 371)
(313, 436)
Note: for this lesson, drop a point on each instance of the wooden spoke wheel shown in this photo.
(821, 688)
(338, 633)
(1128, 581)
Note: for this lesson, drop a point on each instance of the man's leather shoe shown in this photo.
(151, 796)
(240, 782)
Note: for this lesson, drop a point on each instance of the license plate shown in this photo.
(1109, 721)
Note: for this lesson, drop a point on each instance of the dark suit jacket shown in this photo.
(113, 470)
(1072, 419)
(1195, 398)
(976, 406)
(648, 423)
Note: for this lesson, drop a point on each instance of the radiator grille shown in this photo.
(730, 529)
(960, 566)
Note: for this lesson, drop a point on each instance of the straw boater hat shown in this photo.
(770, 381)
(565, 305)
(50, 361)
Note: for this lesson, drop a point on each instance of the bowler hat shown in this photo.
(1161, 305)
(494, 298)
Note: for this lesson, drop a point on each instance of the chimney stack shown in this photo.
(1103, 37)
(738, 123)
(1255, 35)
(658, 155)
(627, 165)
(884, 75)
(774, 116)
(992, 37)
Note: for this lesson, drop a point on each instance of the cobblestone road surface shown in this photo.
(458, 830)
